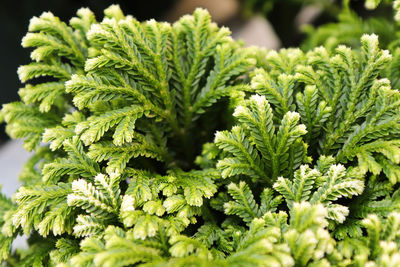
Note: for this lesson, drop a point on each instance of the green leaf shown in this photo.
(244, 204)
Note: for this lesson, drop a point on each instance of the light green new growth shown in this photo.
(280, 147)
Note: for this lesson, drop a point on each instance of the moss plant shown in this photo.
(160, 144)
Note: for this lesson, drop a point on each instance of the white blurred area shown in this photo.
(12, 158)
(254, 31)
(258, 31)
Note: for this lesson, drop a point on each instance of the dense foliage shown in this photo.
(172, 145)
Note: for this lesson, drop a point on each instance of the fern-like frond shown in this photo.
(77, 163)
(100, 199)
(345, 102)
(244, 204)
(172, 72)
(26, 122)
(42, 207)
(117, 249)
(65, 249)
(272, 150)
(119, 156)
(315, 187)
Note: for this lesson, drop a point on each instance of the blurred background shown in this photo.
(268, 23)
